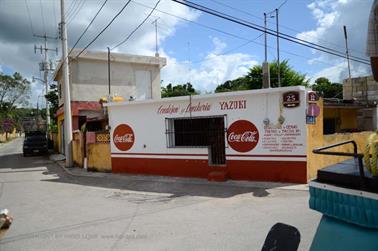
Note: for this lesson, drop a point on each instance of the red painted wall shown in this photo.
(282, 171)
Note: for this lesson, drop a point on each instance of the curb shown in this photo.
(68, 171)
(193, 181)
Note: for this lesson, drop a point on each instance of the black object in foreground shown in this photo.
(282, 237)
(349, 173)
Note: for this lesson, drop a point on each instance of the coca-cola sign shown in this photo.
(123, 137)
(242, 136)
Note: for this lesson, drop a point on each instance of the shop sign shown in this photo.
(311, 120)
(313, 110)
(312, 97)
(291, 99)
(242, 136)
(123, 137)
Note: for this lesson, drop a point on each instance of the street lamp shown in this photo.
(47, 103)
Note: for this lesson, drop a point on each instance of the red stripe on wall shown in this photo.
(228, 155)
(256, 170)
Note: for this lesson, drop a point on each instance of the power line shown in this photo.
(80, 6)
(30, 20)
(54, 12)
(259, 27)
(127, 38)
(227, 33)
(86, 29)
(102, 31)
(70, 8)
(283, 26)
(230, 50)
(43, 18)
(282, 4)
(269, 31)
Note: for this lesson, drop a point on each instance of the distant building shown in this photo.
(357, 111)
(362, 89)
(131, 76)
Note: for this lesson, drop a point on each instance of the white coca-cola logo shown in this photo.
(248, 136)
(126, 138)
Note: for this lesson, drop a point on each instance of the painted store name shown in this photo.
(233, 104)
(201, 107)
(172, 109)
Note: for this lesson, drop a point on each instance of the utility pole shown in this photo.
(45, 66)
(67, 95)
(347, 55)
(265, 66)
(109, 73)
(156, 38)
(278, 52)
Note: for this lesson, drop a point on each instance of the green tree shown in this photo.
(253, 79)
(328, 89)
(14, 93)
(178, 90)
(52, 97)
(14, 90)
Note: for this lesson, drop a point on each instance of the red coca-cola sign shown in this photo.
(123, 137)
(242, 136)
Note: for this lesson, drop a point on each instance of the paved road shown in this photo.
(57, 211)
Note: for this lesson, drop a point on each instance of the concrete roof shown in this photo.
(114, 57)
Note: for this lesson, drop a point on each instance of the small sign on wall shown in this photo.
(313, 110)
(291, 99)
(312, 97)
(310, 120)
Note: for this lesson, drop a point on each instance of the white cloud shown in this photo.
(17, 42)
(331, 16)
(213, 70)
(339, 72)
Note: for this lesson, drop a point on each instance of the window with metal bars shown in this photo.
(204, 132)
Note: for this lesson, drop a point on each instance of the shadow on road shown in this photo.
(18, 161)
(176, 187)
(168, 185)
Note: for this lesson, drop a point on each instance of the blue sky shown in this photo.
(193, 53)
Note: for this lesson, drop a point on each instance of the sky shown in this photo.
(201, 49)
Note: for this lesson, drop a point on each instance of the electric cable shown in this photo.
(89, 25)
(226, 33)
(282, 26)
(269, 31)
(144, 20)
(42, 16)
(78, 9)
(102, 31)
(30, 19)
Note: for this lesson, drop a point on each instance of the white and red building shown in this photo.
(246, 135)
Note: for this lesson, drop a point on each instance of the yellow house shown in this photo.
(348, 117)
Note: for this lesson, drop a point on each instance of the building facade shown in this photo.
(130, 76)
(247, 135)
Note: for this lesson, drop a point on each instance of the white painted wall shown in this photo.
(149, 126)
(137, 77)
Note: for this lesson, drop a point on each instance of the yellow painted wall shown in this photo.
(78, 149)
(347, 117)
(99, 157)
(12, 135)
(315, 138)
(60, 118)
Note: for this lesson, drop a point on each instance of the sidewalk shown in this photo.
(81, 172)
